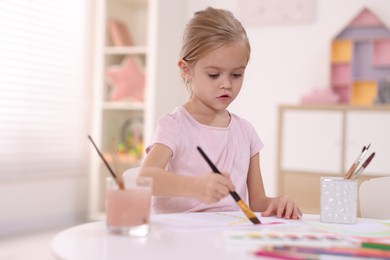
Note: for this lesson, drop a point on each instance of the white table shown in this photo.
(169, 239)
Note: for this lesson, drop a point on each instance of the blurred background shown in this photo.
(71, 68)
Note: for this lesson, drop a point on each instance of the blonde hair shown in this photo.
(211, 29)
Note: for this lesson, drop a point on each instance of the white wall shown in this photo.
(287, 62)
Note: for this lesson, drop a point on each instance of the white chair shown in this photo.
(134, 171)
(374, 197)
(131, 171)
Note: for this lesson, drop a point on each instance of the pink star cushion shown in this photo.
(127, 80)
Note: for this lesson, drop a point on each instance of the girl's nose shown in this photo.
(225, 85)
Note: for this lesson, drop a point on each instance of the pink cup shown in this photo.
(128, 210)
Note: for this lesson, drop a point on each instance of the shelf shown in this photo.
(358, 125)
(132, 2)
(133, 15)
(119, 123)
(123, 106)
(132, 50)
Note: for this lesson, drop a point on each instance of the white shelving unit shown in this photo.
(317, 141)
(155, 31)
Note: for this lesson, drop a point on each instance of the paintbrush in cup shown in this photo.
(247, 211)
(363, 167)
(117, 180)
(115, 157)
(356, 162)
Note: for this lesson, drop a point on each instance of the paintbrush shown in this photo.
(115, 158)
(363, 167)
(247, 211)
(117, 180)
(356, 162)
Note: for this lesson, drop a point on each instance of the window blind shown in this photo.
(44, 70)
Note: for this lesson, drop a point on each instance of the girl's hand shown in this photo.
(282, 207)
(212, 187)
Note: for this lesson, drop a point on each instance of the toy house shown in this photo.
(360, 59)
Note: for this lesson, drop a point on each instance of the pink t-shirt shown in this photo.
(229, 148)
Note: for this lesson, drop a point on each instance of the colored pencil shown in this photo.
(247, 211)
(284, 255)
(380, 246)
(336, 251)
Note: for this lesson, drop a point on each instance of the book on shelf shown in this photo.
(118, 33)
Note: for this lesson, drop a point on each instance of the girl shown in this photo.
(214, 56)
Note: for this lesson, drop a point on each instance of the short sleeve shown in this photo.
(256, 144)
(167, 133)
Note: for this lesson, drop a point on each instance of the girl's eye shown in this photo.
(237, 75)
(213, 76)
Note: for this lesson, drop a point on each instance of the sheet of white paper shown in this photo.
(215, 220)
(364, 228)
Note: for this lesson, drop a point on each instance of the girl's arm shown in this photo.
(258, 201)
(205, 187)
(280, 206)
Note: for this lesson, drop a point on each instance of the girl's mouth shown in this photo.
(224, 98)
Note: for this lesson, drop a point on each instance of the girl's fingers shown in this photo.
(216, 187)
(297, 213)
(281, 206)
(289, 210)
(227, 181)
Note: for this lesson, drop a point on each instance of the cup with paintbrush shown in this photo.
(128, 202)
(339, 194)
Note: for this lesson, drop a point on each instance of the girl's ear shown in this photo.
(184, 69)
